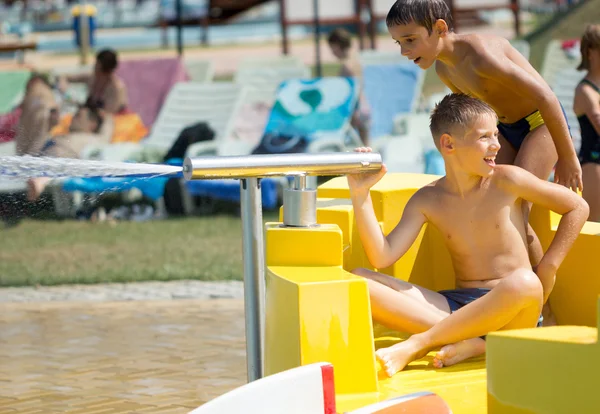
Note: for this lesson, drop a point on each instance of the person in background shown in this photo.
(106, 90)
(89, 126)
(586, 106)
(39, 114)
(340, 42)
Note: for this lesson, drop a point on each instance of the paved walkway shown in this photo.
(185, 289)
(118, 357)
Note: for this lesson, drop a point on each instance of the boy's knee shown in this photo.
(524, 284)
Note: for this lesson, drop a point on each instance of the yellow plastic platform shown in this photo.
(317, 311)
(551, 370)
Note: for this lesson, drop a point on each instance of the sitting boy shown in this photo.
(477, 208)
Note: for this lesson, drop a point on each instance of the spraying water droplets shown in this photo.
(29, 167)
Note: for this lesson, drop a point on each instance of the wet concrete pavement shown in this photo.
(114, 357)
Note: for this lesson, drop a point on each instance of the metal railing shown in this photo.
(299, 211)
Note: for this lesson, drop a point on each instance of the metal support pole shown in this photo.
(254, 275)
(84, 33)
(285, 47)
(515, 9)
(319, 72)
(179, 22)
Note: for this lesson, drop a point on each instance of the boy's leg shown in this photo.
(401, 305)
(36, 186)
(515, 302)
(410, 308)
(538, 156)
(507, 153)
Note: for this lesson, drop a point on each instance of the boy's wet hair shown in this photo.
(456, 110)
(107, 58)
(589, 40)
(340, 37)
(423, 12)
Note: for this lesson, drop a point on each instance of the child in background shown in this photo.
(340, 42)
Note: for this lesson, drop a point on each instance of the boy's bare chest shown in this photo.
(470, 83)
(472, 218)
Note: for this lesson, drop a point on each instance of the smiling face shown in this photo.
(473, 149)
(417, 43)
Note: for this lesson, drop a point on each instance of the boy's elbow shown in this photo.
(547, 98)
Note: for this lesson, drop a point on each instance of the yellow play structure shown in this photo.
(318, 311)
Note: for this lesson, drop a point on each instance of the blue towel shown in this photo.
(229, 190)
(390, 90)
(151, 187)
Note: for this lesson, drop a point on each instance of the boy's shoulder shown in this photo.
(511, 176)
(479, 50)
(427, 194)
(486, 50)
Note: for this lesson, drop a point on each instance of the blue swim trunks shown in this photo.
(516, 132)
(457, 298)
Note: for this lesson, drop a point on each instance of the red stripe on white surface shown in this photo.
(328, 389)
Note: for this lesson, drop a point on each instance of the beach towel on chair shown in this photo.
(306, 110)
(148, 83)
(390, 89)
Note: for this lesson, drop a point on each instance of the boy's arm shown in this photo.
(77, 78)
(522, 83)
(383, 251)
(572, 207)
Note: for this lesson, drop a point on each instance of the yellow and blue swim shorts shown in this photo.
(516, 132)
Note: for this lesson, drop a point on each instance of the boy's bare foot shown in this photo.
(458, 352)
(35, 187)
(395, 358)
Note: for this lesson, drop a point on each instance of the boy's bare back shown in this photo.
(483, 230)
(491, 69)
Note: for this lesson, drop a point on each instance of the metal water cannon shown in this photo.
(299, 210)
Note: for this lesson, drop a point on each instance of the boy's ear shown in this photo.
(440, 27)
(447, 143)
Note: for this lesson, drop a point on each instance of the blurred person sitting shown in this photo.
(105, 89)
(39, 114)
(88, 126)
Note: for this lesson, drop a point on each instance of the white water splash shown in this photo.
(28, 167)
